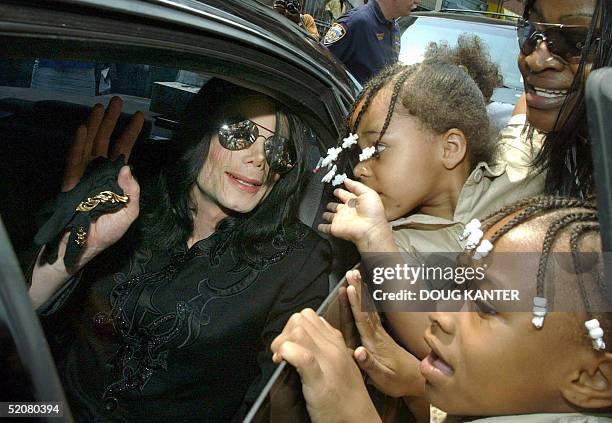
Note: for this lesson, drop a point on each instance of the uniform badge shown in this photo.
(334, 33)
(380, 36)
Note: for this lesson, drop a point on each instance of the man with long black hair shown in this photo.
(148, 297)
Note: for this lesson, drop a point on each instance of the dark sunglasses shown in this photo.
(280, 152)
(564, 41)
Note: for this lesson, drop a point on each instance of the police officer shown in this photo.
(367, 38)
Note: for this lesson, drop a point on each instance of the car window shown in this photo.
(144, 87)
(501, 41)
(42, 102)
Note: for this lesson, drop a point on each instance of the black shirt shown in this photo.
(180, 336)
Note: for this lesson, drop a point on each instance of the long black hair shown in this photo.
(566, 152)
(168, 207)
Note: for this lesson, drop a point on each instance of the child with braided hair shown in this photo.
(428, 151)
(435, 164)
(544, 358)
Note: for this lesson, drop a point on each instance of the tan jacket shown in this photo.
(487, 189)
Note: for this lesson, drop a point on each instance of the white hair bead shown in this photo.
(471, 226)
(592, 324)
(599, 344)
(339, 179)
(350, 140)
(318, 166)
(332, 155)
(539, 301)
(483, 249)
(328, 177)
(596, 333)
(366, 153)
(473, 239)
(538, 322)
(474, 223)
(472, 234)
(539, 311)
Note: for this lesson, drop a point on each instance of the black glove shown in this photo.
(97, 193)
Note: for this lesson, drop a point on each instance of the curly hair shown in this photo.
(472, 54)
(441, 93)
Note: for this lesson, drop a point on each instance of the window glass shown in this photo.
(502, 43)
(42, 102)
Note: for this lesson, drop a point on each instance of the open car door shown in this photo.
(21, 325)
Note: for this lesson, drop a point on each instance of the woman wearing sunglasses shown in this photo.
(167, 309)
(561, 41)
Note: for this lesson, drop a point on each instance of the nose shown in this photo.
(255, 154)
(445, 321)
(542, 59)
(361, 170)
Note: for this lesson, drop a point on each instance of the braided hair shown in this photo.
(576, 216)
(441, 93)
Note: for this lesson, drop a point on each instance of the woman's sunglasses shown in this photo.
(564, 41)
(280, 152)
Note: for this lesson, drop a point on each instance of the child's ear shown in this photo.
(454, 148)
(592, 388)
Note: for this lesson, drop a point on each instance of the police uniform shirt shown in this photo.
(364, 40)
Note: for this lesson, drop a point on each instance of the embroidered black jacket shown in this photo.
(181, 335)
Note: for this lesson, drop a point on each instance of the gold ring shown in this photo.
(81, 237)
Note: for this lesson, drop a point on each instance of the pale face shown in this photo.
(237, 181)
(499, 364)
(405, 149)
(546, 71)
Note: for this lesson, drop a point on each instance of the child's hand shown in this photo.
(331, 381)
(392, 369)
(359, 218)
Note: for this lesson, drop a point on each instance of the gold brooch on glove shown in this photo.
(104, 197)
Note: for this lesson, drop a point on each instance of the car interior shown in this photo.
(39, 114)
(40, 111)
